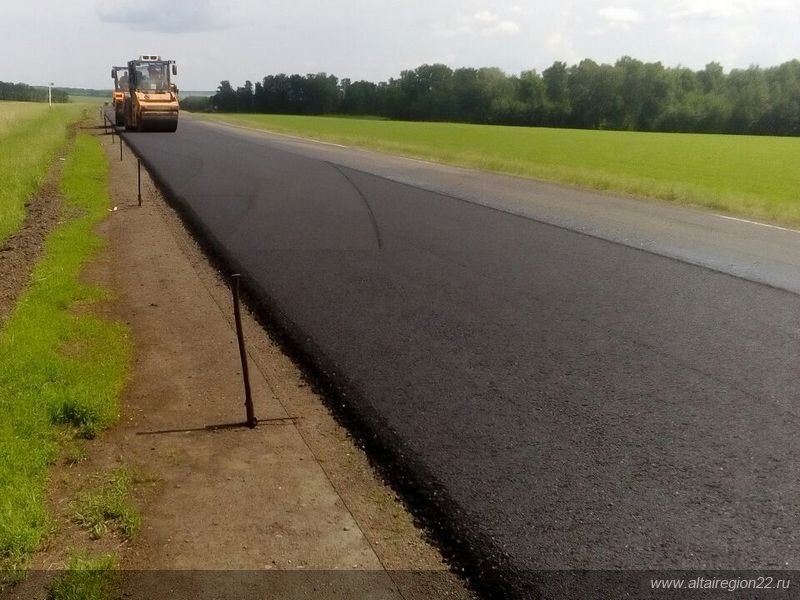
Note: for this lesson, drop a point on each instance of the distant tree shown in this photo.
(225, 99)
(532, 94)
(321, 94)
(556, 85)
(782, 116)
(469, 101)
(749, 95)
(594, 97)
(499, 96)
(244, 97)
(361, 98)
(433, 98)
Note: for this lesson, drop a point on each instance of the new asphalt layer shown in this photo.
(553, 387)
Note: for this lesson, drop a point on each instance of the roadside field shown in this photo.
(30, 135)
(747, 175)
(62, 367)
(99, 100)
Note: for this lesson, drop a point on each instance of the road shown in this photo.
(563, 379)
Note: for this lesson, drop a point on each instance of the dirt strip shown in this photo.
(292, 505)
(20, 251)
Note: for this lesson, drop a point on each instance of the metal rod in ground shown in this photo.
(120, 148)
(248, 397)
(139, 177)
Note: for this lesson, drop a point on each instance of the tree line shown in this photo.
(628, 95)
(90, 92)
(22, 92)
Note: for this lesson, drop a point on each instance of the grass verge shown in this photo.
(96, 101)
(86, 579)
(61, 369)
(748, 175)
(108, 507)
(30, 136)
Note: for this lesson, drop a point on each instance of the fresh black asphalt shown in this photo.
(558, 401)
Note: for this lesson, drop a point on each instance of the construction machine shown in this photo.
(152, 103)
(121, 90)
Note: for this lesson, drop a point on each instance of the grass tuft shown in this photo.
(84, 418)
(108, 508)
(74, 452)
(86, 579)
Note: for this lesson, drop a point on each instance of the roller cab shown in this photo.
(121, 90)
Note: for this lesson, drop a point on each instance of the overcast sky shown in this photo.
(74, 43)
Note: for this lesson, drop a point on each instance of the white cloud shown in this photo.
(616, 18)
(620, 15)
(500, 28)
(727, 10)
(554, 40)
(484, 23)
(171, 16)
(484, 16)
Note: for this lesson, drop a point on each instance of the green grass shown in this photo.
(61, 368)
(747, 175)
(108, 508)
(87, 579)
(30, 136)
(98, 100)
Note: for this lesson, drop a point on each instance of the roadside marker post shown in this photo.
(120, 148)
(139, 178)
(251, 421)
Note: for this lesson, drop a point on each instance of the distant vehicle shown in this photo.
(152, 102)
(121, 90)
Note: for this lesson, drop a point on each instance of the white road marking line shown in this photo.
(757, 223)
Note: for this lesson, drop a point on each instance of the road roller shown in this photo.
(121, 90)
(152, 104)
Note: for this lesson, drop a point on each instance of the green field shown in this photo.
(747, 175)
(30, 136)
(62, 369)
(98, 100)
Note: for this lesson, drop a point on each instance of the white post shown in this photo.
(50, 94)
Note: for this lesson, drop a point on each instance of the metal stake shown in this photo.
(120, 148)
(139, 176)
(248, 398)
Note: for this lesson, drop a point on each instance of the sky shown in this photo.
(75, 43)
